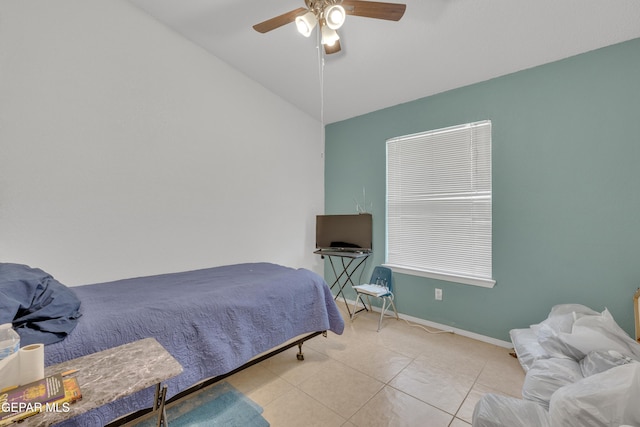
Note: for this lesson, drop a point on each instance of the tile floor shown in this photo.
(400, 376)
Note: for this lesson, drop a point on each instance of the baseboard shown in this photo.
(464, 333)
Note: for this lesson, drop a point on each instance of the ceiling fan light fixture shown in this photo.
(306, 23)
(334, 16)
(329, 36)
(329, 15)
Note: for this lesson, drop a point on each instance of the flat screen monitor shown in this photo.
(344, 232)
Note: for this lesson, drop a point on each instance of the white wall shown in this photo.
(126, 150)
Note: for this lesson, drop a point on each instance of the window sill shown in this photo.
(473, 281)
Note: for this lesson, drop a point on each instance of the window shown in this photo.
(439, 204)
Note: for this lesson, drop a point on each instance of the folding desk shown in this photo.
(348, 265)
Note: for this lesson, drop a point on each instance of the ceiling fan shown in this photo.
(329, 15)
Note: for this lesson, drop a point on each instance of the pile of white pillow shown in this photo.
(581, 368)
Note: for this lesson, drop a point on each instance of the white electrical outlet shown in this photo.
(438, 294)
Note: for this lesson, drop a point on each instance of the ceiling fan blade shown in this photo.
(279, 21)
(374, 9)
(332, 49)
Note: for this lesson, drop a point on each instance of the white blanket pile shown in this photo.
(582, 370)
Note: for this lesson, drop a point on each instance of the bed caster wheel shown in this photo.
(300, 356)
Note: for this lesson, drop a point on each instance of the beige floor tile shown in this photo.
(465, 412)
(259, 384)
(287, 365)
(441, 388)
(374, 360)
(459, 423)
(363, 328)
(401, 336)
(250, 379)
(453, 360)
(295, 409)
(503, 373)
(341, 388)
(341, 381)
(391, 407)
(465, 344)
(330, 344)
(270, 391)
(407, 338)
(353, 332)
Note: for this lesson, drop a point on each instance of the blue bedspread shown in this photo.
(212, 321)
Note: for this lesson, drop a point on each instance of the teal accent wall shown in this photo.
(566, 196)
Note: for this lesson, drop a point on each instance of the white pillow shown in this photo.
(600, 361)
(562, 316)
(609, 398)
(588, 333)
(548, 375)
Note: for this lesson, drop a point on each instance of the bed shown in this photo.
(211, 320)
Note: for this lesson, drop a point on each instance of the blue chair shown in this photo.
(380, 286)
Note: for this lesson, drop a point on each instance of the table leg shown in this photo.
(347, 274)
(158, 405)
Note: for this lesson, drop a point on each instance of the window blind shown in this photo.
(439, 203)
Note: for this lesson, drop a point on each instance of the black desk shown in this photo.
(347, 259)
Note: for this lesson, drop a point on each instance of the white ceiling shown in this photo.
(438, 45)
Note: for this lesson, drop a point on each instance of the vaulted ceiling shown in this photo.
(438, 45)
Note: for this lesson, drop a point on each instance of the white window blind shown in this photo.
(439, 203)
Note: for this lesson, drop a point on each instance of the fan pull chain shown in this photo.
(321, 77)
